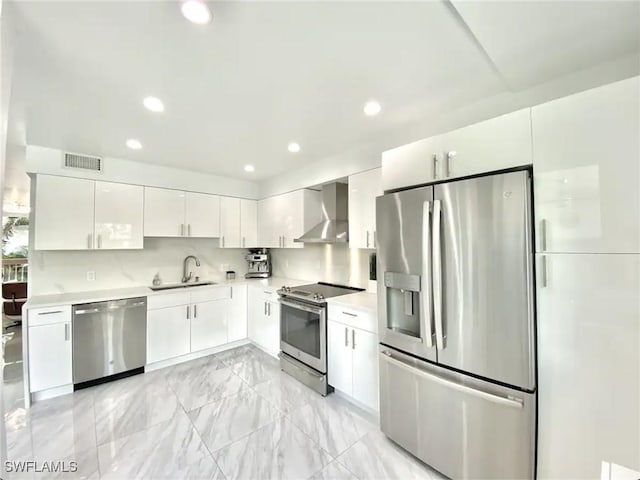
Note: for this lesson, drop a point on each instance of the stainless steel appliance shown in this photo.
(334, 227)
(109, 339)
(303, 331)
(456, 325)
(259, 260)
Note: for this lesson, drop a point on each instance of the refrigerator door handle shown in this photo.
(437, 273)
(508, 401)
(425, 289)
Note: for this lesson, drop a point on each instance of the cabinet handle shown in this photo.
(89, 241)
(195, 311)
(346, 337)
(189, 230)
(450, 155)
(265, 309)
(269, 308)
(367, 238)
(50, 313)
(188, 312)
(353, 339)
(543, 235)
(374, 239)
(99, 241)
(267, 292)
(182, 229)
(350, 314)
(435, 165)
(543, 271)
(66, 332)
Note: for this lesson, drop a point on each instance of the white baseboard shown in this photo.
(194, 355)
(50, 393)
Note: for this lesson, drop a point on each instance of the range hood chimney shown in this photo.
(334, 227)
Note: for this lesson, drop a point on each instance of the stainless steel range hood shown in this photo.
(334, 227)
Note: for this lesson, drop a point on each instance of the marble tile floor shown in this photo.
(233, 415)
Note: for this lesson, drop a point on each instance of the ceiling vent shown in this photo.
(83, 162)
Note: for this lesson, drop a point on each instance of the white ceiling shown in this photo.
(263, 74)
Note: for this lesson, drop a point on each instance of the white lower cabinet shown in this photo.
(340, 364)
(353, 362)
(588, 364)
(168, 333)
(364, 346)
(208, 324)
(50, 356)
(264, 320)
(237, 314)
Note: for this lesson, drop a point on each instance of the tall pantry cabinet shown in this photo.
(587, 197)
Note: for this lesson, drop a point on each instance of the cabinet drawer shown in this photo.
(352, 317)
(264, 294)
(165, 300)
(208, 294)
(49, 316)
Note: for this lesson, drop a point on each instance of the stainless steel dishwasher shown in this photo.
(109, 339)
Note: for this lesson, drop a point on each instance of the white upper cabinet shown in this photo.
(363, 189)
(64, 212)
(248, 223)
(495, 144)
(230, 235)
(285, 217)
(163, 212)
(587, 171)
(202, 215)
(119, 211)
(412, 164)
(269, 234)
(174, 213)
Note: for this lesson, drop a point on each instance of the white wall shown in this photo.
(66, 271)
(50, 161)
(444, 118)
(328, 263)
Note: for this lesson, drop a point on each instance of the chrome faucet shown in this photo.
(185, 264)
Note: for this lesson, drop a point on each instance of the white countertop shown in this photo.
(361, 300)
(72, 298)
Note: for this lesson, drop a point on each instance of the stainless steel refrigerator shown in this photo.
(457, 325)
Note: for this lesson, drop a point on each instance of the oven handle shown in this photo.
(299, 306)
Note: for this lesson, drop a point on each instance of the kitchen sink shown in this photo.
(172, 286)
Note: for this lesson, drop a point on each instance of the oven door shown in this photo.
(303, 333)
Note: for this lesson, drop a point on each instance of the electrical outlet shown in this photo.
(91, 276)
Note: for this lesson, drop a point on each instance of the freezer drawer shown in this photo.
(461, 426)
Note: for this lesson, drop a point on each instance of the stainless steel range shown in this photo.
(303, 332)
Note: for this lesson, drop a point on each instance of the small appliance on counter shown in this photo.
(259, 260)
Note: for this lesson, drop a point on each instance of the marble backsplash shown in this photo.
(66, 271)
(333, 263)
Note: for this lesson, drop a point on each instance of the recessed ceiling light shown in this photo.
(249, 168)
(154, 104)
(372, 108)
(293, 147)
(196, 11)
(134, 144)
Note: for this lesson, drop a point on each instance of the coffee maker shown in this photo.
(259, 260)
